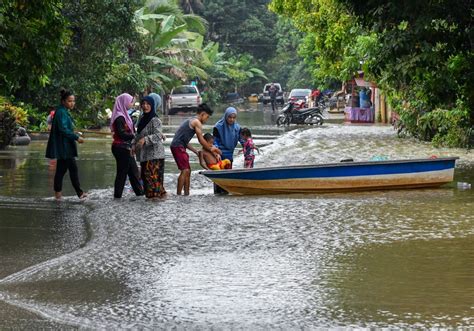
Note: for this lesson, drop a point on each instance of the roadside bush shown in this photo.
(442, 127)
(451, 127)
(36, 118)
(447, 125)
(10, 118)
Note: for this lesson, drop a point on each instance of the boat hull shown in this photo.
(336, 177)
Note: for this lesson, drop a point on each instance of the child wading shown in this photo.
(248, 148)
(208, 161)
(181, 140)
(62, 146)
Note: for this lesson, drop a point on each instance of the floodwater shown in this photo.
(374, 259)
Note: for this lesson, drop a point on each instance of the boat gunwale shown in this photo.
(324, 165)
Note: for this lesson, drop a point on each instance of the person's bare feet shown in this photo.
(83, 195)
(58, 195)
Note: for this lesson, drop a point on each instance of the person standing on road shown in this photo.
(315, 97)
(273, 92)
(149, 148)
(181, 142)
(62, 146)
(123, 134)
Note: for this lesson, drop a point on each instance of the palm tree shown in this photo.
(223, 72)
(170, 36)
(176, 52)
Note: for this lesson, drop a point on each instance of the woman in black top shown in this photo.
(122, 126)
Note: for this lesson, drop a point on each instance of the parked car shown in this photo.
(183, 98)
(233, 98)
(266, 96)
(300, 94)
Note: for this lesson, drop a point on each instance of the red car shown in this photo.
(300, 94)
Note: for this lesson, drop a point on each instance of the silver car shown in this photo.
(184, 98)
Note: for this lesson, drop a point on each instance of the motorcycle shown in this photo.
(134, 115)
(290, 115)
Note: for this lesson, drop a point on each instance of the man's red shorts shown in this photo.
(181, 157)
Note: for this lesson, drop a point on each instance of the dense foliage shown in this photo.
(10, 118)
(99, 61)
(248, 30)
(178, 54)
(286, 66)
(87, 47)
(242, 26)
(33, 36)
(421, 53)
(99, 49)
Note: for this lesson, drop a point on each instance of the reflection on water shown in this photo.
(434, 272)
(29, 227)
(371, 259)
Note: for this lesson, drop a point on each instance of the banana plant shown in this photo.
(170, 38)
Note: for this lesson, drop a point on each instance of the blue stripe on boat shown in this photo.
(336, 170)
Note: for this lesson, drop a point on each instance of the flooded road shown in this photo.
(372, 259)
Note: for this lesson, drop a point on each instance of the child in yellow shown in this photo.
(208, 161)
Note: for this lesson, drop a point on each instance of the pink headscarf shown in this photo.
(120, 109)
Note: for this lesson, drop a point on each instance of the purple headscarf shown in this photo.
(120, 109)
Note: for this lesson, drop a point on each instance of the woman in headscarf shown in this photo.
(149, 147)
(157, 100)
(123, 133)
(226, 134)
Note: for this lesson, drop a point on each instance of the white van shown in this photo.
(266, 96)
(184, 98)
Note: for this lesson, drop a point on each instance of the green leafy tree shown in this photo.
(215, 63)
(422, 44)
(242, 26)
(173, 43)
(287, 66)
(33, 37)
(248, 27)
(104, 42)
(177, 54)
(419, 52)
(243, 76)
(330, 30)
(423, 54)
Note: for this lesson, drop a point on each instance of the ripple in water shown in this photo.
(373, 259)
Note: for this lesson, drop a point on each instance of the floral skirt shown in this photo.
(152, 173)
